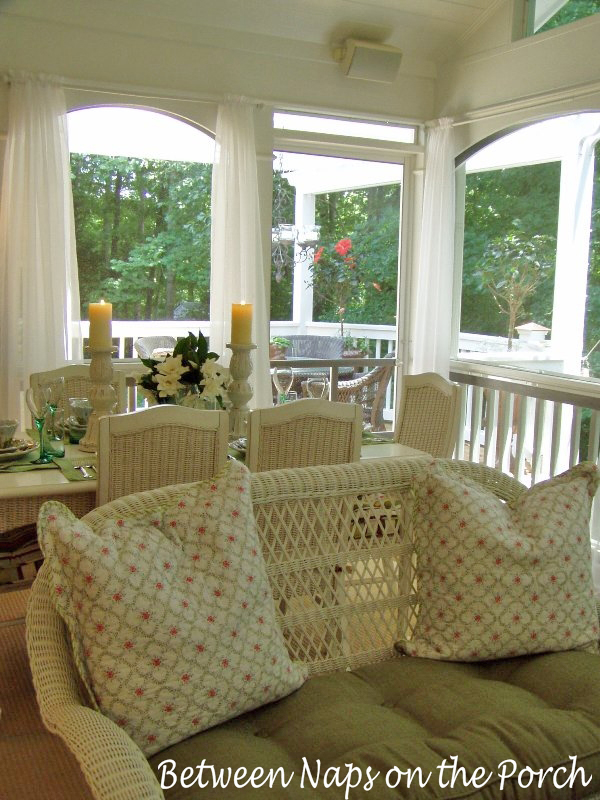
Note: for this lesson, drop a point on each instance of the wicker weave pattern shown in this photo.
(157, 447)
(428, 415)
(309, 346)
(337, 546)
(17, 511)
(369, 392)
(145, 345)
(303, 434)
(78, 383)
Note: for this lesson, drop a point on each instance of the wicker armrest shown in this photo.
(112, 764)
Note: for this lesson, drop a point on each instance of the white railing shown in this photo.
(381, 338)
(125, 332)
(530, 424)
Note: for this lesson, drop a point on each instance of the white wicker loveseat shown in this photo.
(340, 559)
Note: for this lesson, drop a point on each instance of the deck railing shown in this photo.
(531, 425)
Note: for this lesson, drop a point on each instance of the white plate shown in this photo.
(18, 448)
(239, 445)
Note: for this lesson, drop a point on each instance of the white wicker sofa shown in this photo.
(340, 558)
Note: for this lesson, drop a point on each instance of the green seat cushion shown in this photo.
(537, 711)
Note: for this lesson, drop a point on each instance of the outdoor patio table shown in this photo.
(304, 372)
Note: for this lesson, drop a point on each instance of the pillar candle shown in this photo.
(241, 323)
(100, 325)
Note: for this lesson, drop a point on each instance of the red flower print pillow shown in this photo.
(496, 579)
(174, 631)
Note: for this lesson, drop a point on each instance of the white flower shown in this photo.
(167, 376)
(214, 373)
(212, 389)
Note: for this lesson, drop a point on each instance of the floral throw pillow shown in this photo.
(173, 631)
(497, 580)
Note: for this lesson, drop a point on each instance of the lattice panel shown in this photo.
(338, 568)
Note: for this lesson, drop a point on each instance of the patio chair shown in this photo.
(305, 433)
(368, 391)
(78, 383)
(146, 345)
(307, 346)
(429, 413)
(159, 446)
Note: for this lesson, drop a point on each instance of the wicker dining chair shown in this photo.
(369, 391)
(146, 345)
(428, 414)
(304, 433)
(159, 446)
(78, 383)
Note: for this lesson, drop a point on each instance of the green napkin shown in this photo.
(70, 471)
(372, 438)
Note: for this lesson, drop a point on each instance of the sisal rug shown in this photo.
(13, 605)
(35, 764)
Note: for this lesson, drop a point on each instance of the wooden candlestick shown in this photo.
(102, 395)
(240, 391)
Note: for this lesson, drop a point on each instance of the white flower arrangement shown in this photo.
(190, 376)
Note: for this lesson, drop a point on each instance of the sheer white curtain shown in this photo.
(433, 313)
(39, 289)
(595, 536)
(237, 267)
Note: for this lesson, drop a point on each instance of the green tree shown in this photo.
(282, 253)
(335, 278)
(494, 199)
(512, 268)
(570, 12)
(370, 218)
(143, 234)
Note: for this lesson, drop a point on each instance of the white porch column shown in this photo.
(572, 250)
(302, 293)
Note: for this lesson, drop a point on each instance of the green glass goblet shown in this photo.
(37, 402)
(54, 391)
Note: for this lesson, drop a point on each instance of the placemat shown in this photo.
(67, 466)
(25, 463)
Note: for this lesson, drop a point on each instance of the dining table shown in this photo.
(25, 487)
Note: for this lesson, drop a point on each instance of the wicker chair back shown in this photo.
(78, 383)
(145, 345)
(306, 346)
(159, 446)
(304, 433)
(429, 413)
(369, 391)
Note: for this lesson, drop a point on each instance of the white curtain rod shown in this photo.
(148, 93)
(531, 101)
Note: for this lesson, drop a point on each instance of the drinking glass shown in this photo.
(283, 379)
(55, 390)
(37, 402)
(317, 387)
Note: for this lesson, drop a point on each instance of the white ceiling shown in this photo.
(436, 25)
(422, 29)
